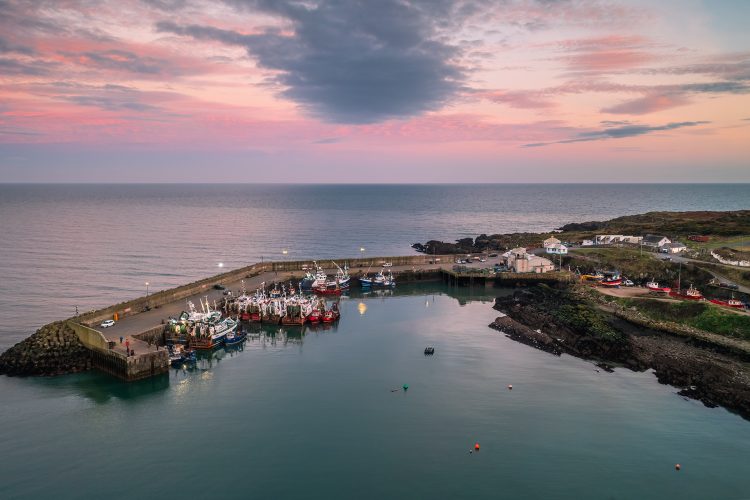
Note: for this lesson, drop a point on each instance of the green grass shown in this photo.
(583, 318)
(701, 315)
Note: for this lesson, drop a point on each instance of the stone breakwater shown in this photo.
(534, 317)
(53, 350)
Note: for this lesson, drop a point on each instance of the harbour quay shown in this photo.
(127, 340)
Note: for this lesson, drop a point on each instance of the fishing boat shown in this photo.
(611, 279)
(311, 280)
(653, 286)
(235, 338)
(211, 335)
(733, 303)
(342, 277)
(328, 289)
(332, 314)
(178, 356)
(689, 294)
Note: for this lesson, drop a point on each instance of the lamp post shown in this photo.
(362, 253)
(147, 290)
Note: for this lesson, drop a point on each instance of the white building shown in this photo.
(587, 243)
(610, 239)
(656, 241)
(519, 261)
(558, 249)
(674, 247)
(550, 242)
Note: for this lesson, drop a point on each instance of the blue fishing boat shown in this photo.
(235, 338)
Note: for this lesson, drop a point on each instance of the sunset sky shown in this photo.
(378, 91)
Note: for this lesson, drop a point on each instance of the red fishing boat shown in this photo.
(733, 303)
(653, 286)
(613, 282)
(327, 290)
(689, 294)
(315, 316)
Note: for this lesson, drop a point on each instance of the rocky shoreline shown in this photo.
(54, 349)
(560, 321)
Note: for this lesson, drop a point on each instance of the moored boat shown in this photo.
(235, 338)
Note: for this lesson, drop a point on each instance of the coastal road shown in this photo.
(684, 260)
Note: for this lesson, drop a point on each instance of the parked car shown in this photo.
(227, 292)
(107, 323)
(387, 264)
(219, 286)
(493, 255)
(627, 282)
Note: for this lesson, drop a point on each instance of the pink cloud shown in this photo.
(648, 104)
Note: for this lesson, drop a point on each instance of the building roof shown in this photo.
(675, 244)
(653, 238)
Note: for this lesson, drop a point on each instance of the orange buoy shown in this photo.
(510, 387)
(476, 446)
(677, 467)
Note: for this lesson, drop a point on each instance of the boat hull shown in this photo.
(725, 303)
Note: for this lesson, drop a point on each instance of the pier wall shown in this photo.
(171, 295)
(129, 368)
(92, 339)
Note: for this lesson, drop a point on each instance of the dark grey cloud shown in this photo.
(7, 47)
(352, 62)
(618, 133)
(10, 66)
(123, 60)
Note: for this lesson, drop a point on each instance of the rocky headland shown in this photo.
(567, 321)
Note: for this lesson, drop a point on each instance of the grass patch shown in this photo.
(696, 314)
(584, 318)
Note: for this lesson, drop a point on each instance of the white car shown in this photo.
(387, 264)
(628, 283)
(107, 323)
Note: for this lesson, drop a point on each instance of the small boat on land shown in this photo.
(612, 279)
(733, 303)
(689, 294)
(653, 286)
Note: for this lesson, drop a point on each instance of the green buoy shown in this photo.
(406, 387)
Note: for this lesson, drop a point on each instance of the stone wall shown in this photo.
(157, 299)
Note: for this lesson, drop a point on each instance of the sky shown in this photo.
(384, 91)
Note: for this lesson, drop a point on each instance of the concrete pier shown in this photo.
(139, 323)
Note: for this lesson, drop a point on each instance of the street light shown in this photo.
(362, 252)
(147, 289)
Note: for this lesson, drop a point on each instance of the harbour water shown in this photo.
(324, 415)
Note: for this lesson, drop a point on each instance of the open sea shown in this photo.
(313, 415)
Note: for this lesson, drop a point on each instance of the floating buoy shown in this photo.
(510, 387)
(476, 446)
(677, 467)
(406, 387)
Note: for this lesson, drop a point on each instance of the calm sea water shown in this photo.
(324, 416)
(314, 417)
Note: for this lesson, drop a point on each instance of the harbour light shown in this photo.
(362, 308)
